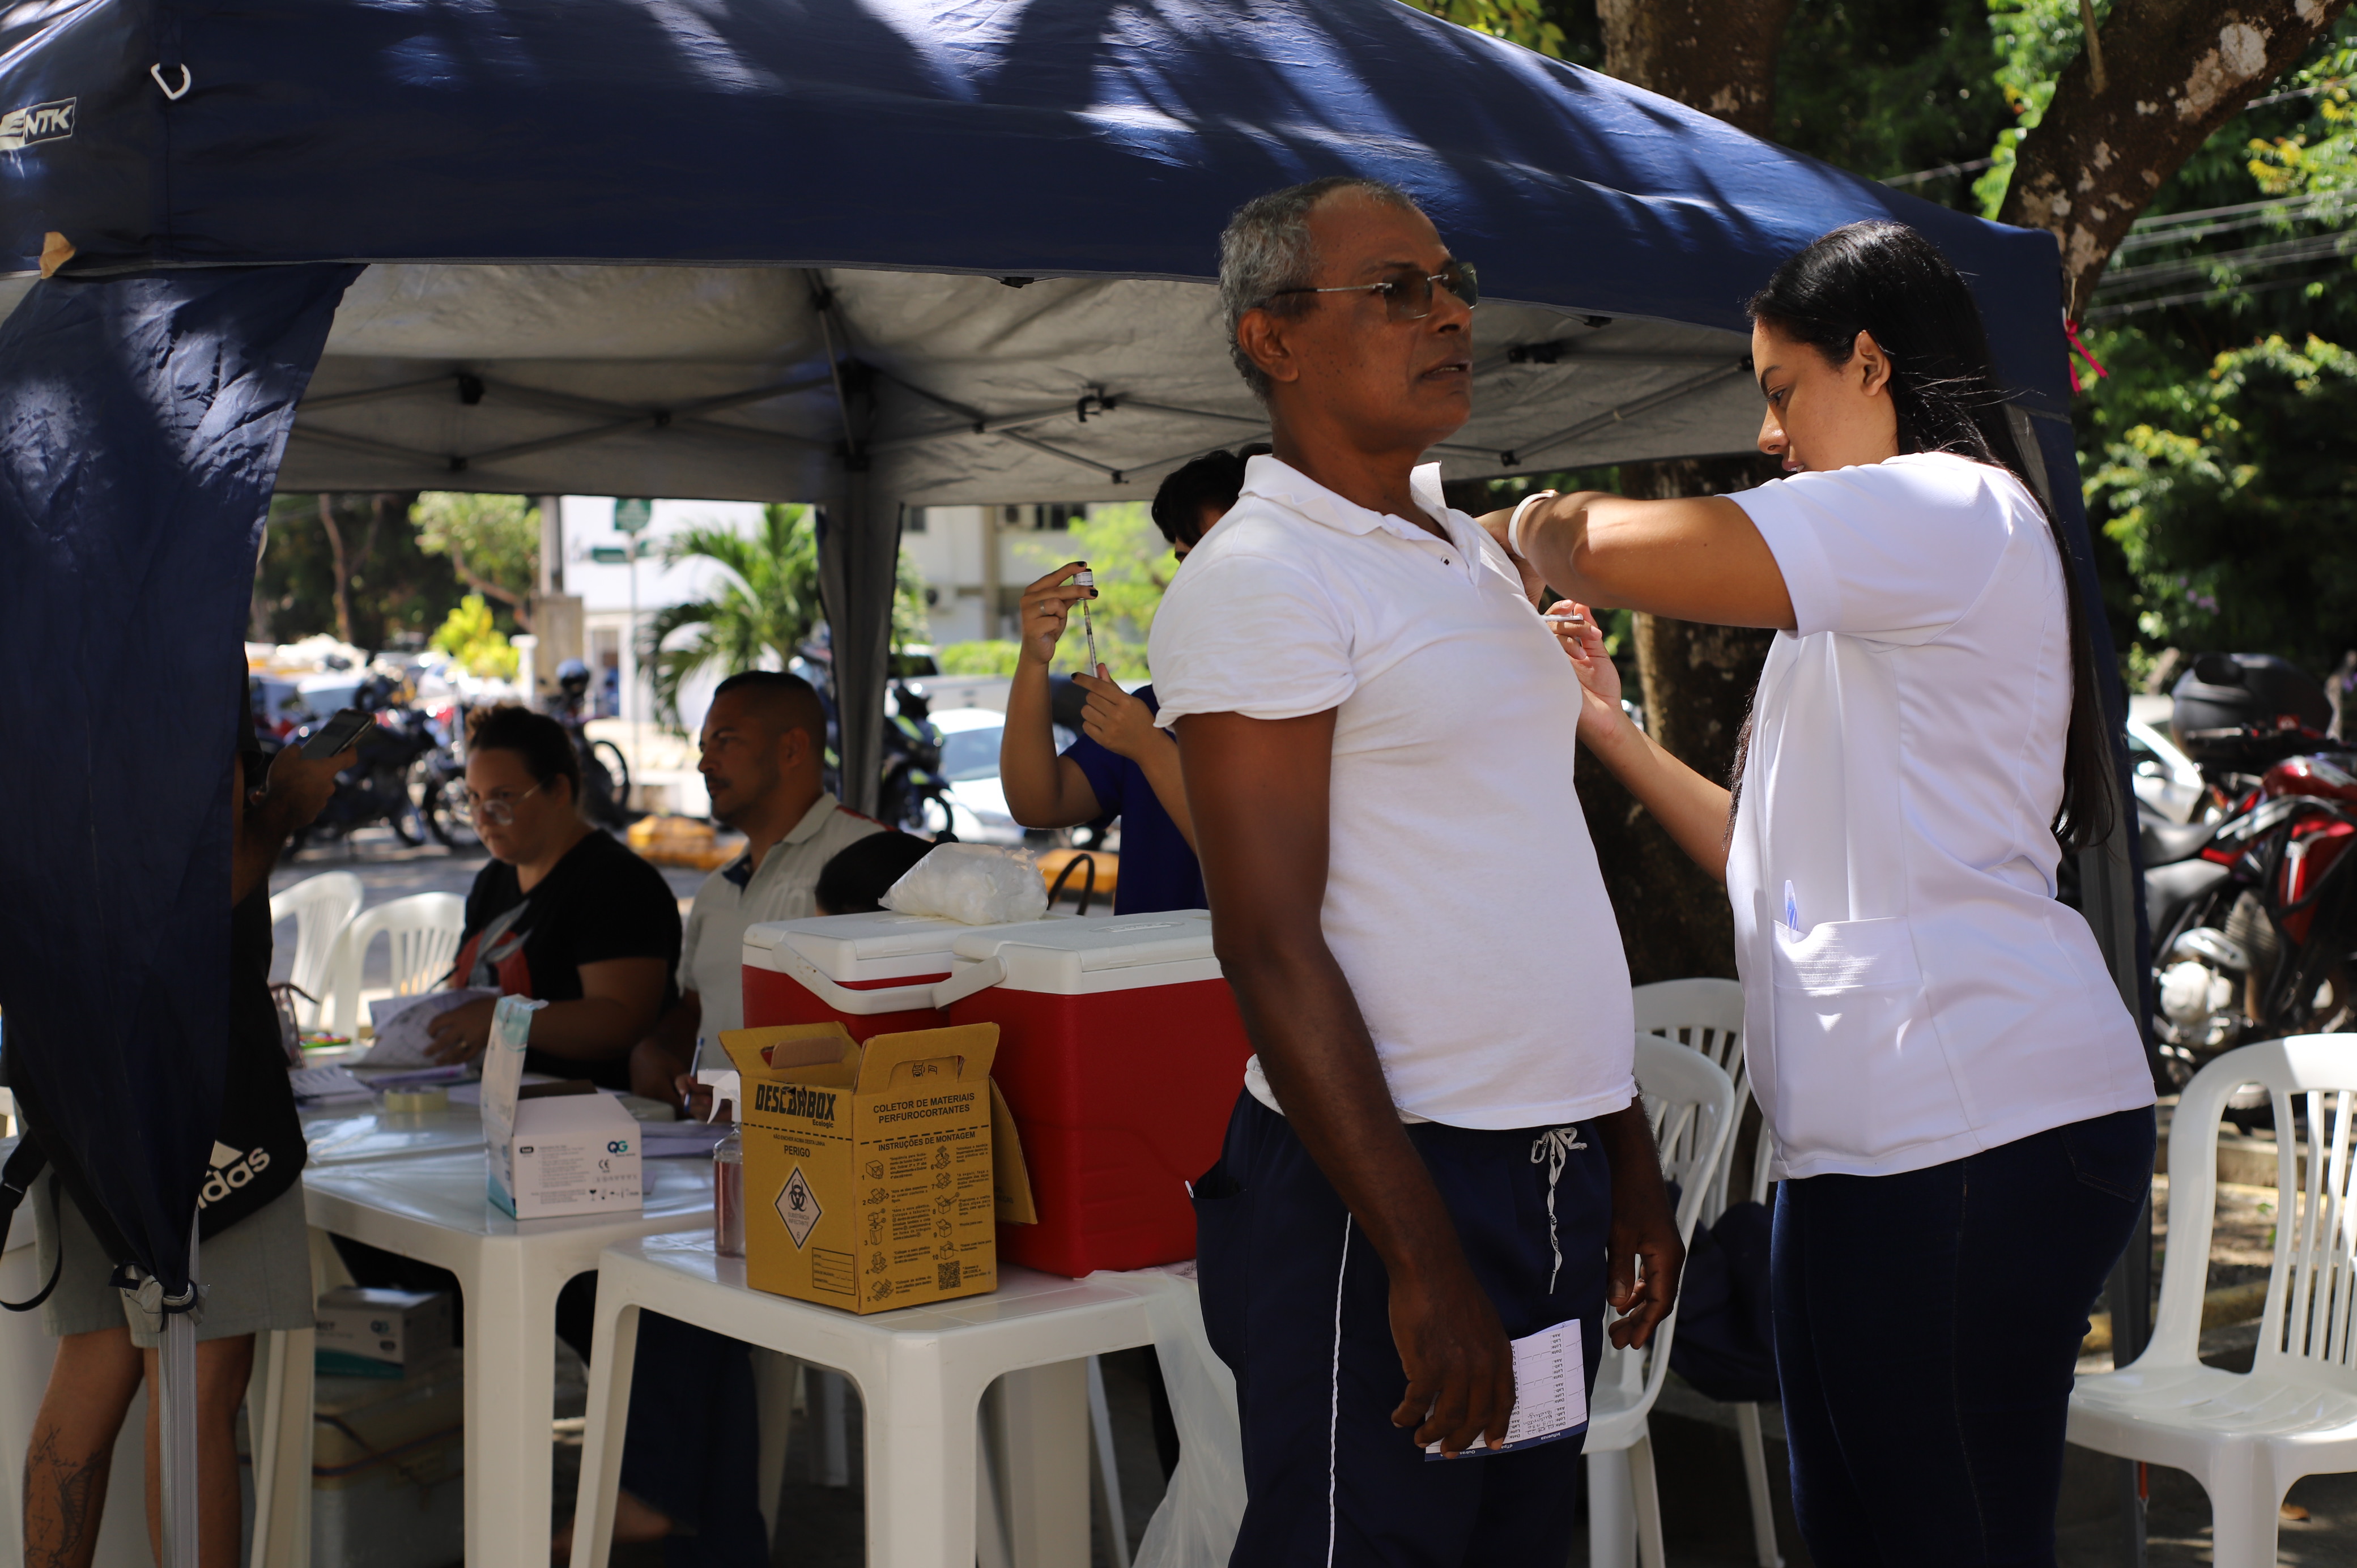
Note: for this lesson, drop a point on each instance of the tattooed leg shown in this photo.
(90, 1386)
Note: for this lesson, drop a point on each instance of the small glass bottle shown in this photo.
(728, 1196)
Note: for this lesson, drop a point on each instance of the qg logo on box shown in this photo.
(20, 128)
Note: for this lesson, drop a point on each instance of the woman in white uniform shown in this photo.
(1960, 1104)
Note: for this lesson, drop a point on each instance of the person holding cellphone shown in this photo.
(1959, 1105)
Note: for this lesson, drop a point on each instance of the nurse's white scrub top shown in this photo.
(1912, 993)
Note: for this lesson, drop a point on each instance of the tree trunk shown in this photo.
(1718, 56)
(341, 565)
(2173, 71)
(1696, 682)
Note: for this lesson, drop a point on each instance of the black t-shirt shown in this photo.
(600, 902)
(259, 1150)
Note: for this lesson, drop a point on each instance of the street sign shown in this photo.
(631, 515)
(609, 554)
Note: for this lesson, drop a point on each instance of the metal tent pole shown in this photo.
(177, 1426)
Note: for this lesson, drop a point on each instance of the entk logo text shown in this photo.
(20, 128)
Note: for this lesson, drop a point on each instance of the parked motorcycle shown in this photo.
(911, 794)
(437, 780)
(604, 772)
(376, 788)
(2253, 919)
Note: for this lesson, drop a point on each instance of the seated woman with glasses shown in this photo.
(563, 913)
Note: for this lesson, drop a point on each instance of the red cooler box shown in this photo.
(873, 973)
(1121, 1054)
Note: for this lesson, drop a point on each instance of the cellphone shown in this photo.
(337, 734)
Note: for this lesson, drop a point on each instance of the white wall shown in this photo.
(948, 551)
(606, 590)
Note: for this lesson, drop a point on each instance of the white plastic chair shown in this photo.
(320, 907)
(2247, 1436)
(1690, 1102)
(1707, 1015)
(423, 929)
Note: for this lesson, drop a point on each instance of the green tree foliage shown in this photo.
(1891, 87)
(1530, 23)
(2220, 456)
(2227, 544)
(765, 608)
(468, 636)
(491, 542)
(398, 594)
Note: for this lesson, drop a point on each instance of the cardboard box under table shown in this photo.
(1120, 1053)
(875, 1175)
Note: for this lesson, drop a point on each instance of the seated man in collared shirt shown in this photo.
(1438, 1148)
(764, 746)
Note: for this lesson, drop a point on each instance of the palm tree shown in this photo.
(767, 604)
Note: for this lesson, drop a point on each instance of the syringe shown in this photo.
(1087, 579)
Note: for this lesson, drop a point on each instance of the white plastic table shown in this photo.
(432, 1207)
(346, 1133)
(922, 1372)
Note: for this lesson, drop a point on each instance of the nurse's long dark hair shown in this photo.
(1888, 281)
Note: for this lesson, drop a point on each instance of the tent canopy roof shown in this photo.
(605, 229)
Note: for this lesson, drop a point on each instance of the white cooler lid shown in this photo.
(879, 946)
(1098, 952)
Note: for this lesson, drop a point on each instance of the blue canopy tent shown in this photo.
(868, 253)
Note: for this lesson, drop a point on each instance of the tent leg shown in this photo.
(177, 1424)
(859, 553)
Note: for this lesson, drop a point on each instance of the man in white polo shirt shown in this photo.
(1439, 1148)
(764, 747)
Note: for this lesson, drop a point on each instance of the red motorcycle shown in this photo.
(2253, 919)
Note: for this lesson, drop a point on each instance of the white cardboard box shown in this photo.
(554, 1148)
(407, 1328)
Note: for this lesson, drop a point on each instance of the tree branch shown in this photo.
(2172, 71)
(516, 603)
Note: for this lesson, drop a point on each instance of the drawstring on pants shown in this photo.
(1553, 1148)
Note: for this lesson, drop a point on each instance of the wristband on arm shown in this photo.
(1514, 523)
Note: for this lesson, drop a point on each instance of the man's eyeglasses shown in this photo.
(498, 809)
(1407, 294)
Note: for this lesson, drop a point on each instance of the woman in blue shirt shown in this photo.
(1122, 766)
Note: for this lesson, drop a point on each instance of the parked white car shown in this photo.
(970, 739)
(2166, 778)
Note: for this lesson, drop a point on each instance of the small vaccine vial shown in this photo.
(1084, 578)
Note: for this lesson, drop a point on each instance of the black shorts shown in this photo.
(1297, 1304)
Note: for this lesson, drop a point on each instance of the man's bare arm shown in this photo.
(1258, 791)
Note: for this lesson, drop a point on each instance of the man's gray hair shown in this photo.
(1266, 250)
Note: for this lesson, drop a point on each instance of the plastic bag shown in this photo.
(1196, 1525)
(972, 884)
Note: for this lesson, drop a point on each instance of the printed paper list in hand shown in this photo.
(401, 1024)
(1550, 1392)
